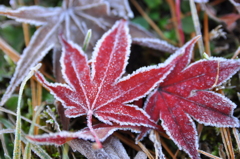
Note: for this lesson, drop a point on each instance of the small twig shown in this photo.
(150, 21)
(206, 35)
(237, 52)
(145, 150)
(48, 76)
(7, 49)
(236, 135)
(226, 137)
(25, 27)
(176, 153)
(128, 142)
(36, 89)
(164, 145)
(197, 26)
(26, 33)
(174, 18)
(163, 135)
(224, 140)
(208, 154)
(179, 26)
(229, 143)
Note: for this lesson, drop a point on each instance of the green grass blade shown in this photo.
(40, 152)
(26, 119)
(87, 39)
(2, 131)
(27, 151)
(17, 141)
(7, 157)
(6, 123)
(65, 151)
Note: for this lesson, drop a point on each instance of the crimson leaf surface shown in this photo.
(186, 94)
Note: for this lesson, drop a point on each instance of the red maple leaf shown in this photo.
(186, 94)
(100, 90)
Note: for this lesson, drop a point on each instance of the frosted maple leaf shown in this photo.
(185, 94)
(75, 16)
(100, 90)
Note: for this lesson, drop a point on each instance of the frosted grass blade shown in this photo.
(17, 141)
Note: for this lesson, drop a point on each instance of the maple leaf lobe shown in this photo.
(103, 131)
(46, 139)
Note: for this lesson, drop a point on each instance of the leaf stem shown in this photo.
(89, 124)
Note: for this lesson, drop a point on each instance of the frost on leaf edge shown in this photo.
(237, 122)
(100, 41)
(176, 142)
(63, 67)
(55, 96)
(127, 123)
(77, 135)
(25, 8)
(220, 59)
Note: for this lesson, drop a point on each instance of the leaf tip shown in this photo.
(196, 38)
